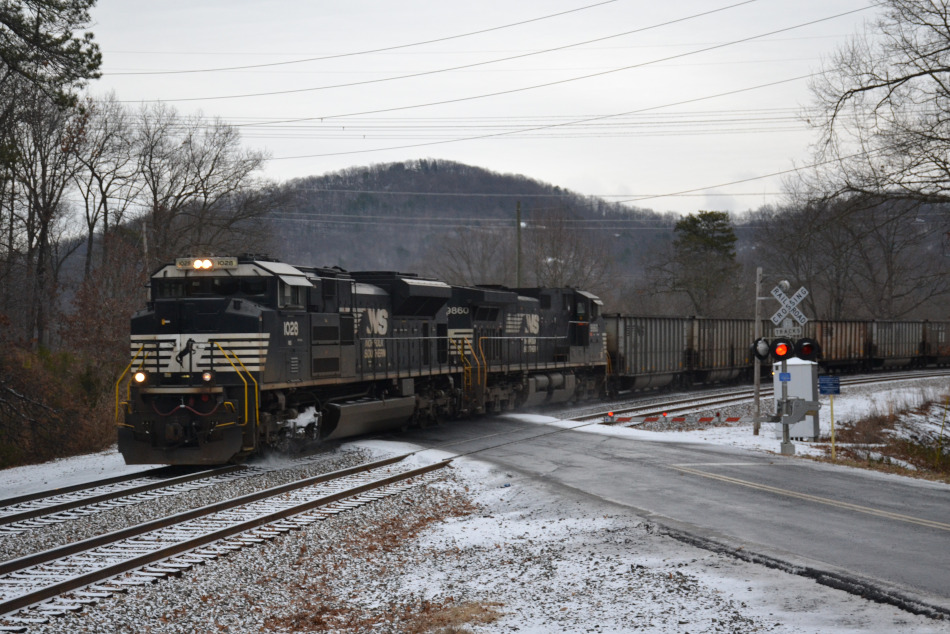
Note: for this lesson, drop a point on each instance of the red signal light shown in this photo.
(782, 349)
(808, 349)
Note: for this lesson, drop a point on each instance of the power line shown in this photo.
(393, 109)
(218, 53)
(544, 127)
(373, 51)
(482, 63)
(755, 178)
(379, 192)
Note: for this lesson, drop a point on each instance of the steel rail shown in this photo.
(29, 497)
(741, 396)
(26, 561)
(59, 507)
(110, 571)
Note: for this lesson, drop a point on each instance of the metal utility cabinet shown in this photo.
(803, 384)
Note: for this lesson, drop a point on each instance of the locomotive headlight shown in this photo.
(202, 265)
(207, 376)
(139, 377)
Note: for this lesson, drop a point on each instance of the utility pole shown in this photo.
(518, 237)
(757, 416)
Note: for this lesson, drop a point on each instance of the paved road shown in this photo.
(892, 532)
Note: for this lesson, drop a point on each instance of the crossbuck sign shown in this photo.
(789, 304)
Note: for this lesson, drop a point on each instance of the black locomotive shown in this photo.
(230, 351)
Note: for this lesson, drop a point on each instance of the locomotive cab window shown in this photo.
(293, 292)
(290, 296)
(254, 289)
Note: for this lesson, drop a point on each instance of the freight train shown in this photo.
(229, 351)
(679, 352)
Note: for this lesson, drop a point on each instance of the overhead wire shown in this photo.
(477, 64)
(386, 49)
(523, 131)
(548, 126)
(542, 85)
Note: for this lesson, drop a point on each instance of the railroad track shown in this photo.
(740, 396)
(36, 511)
(36, 587)
(59, 505)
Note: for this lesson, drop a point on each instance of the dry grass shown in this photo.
(319, 604)
(873, 442)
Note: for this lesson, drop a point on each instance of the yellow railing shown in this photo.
(242, 372)
(128, 395)
(467, 386)
(482, 380)
(257, 403)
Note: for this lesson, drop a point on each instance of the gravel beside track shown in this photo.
(286, 470)
(478, 551)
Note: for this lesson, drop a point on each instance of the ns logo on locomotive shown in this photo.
(229, 351)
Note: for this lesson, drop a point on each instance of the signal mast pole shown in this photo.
(757, 416)
(518, 238)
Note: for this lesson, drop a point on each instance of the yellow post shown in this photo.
(943, 425)
(832, 426)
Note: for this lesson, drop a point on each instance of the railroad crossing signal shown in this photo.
(789, 305)
(808, 349)
(782, 349)
(761, 349)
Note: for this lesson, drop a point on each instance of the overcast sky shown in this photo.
(624, 99)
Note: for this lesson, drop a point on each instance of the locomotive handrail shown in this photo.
(238, 372)
(483, 366)
(522, 338)
(121, 377)
(466, 365)
(257, 404)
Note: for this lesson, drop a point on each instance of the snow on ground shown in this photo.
(562, 563)
(65, 472)
(554, 561)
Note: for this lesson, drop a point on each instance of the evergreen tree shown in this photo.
(704, 260)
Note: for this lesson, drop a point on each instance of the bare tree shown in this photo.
(884, 107)
(563, 254)
(861, 259)
(474, 256)
(107, 179)
(198, 186)
(45, 166)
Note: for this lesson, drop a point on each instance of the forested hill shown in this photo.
(404, 216)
